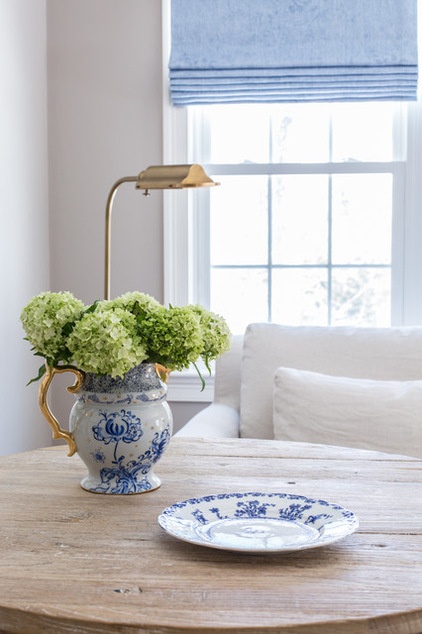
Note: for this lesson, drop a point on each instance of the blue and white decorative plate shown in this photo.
(258, 522)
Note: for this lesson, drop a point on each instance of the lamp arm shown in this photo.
(154, 177)
(109, 209)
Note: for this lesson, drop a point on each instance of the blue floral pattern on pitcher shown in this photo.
(122, 476)
(118, 426)
(121, 434)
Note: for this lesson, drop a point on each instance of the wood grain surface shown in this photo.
(81, 563)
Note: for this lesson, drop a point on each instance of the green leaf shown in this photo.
(67, 328)
(92, 308)
(41, 373)
(200, 376)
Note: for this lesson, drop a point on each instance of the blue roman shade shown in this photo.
(234, 51)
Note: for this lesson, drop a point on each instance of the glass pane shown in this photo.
(362, 131)
(300, 219)
(362, 217)
(238, 221)
(241, 295)
(299, 296)
(361, 297)
(239, 134)
(300, 133)
(297, 133)
(261, 133)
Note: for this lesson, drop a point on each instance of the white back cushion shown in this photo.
(363, 413)
(370, 353)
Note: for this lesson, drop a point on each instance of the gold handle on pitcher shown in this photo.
(163, 372)
(58, 432)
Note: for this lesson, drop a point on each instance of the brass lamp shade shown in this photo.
(154, 177)
(173, 176)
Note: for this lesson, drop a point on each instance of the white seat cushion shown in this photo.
(371, 353)
(364, 413)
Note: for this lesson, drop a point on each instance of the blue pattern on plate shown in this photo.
(329, 522)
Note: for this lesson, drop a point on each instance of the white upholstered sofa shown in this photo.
(356, 387)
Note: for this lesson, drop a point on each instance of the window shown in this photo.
(311, 222)
(333, 228)
(317, 219)
(307, 198)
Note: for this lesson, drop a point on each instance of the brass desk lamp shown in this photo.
(154, 177)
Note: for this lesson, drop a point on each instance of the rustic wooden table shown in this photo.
(77, 562)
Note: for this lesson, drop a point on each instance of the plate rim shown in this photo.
(351, 522)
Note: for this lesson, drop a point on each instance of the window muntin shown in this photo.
(291, 238)
(307, 242)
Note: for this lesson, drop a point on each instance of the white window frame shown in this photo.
(186, 233)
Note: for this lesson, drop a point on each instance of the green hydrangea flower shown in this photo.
(174, 337)
(106, 342)
(216, 335)
(149, 315)
(134, 302)
(47, 319)
(111, 337)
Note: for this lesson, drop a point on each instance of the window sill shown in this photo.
(186, 387)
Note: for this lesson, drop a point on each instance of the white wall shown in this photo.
(105, 90)
(105, 122)
(24, 258)
(86, 75)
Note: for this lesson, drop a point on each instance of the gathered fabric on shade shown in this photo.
(234, 51)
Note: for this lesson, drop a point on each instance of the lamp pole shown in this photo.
(154, 177)
(109, 209)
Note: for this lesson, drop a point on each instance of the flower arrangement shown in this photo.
(111, 337)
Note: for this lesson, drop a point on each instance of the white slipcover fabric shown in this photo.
(370, 353)
(363, 413)
(243, 398)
